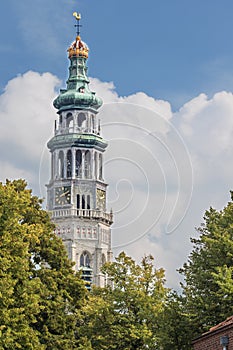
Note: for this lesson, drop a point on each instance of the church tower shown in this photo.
(76, 193)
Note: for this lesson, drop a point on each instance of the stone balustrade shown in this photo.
(83, 213)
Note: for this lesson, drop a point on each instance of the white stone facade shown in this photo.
(76, 193)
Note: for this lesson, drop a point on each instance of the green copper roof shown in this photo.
(77, 94)
(70, 99)
(77, 140)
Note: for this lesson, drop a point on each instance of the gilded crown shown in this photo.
(78, 48)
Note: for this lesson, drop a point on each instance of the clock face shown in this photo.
(62, 195)
(100, 199)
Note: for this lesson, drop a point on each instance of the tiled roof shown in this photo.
(227, 322)
(219, 327)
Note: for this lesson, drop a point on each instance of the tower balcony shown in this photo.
(87, 214)
(75, 130)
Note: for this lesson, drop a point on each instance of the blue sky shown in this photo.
(164, 70)
(169, 49)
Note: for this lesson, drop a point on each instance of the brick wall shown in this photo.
(211, 340)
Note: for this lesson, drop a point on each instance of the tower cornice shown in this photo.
(77, 140)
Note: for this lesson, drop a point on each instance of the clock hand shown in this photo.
(65, 193)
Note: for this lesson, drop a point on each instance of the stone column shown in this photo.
(52, 165)
(83, 164)
(55, 165)
(75, 121)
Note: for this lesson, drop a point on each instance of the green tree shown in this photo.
(125, 315)
(40, 296)
(175, 327)
(208, 285)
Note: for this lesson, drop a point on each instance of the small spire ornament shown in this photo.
(77, 25)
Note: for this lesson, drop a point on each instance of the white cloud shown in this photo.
(209, 138)
(138, 109)
(26, 116)
(214, 121)
(147, 163)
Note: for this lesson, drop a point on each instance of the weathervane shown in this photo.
(78, 25)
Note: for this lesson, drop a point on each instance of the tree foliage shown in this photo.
(208, 286)
(44, 304)
(125, 315)
(40, 295)
(175, 326)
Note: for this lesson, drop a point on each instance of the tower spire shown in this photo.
(77, 25)
(77, 190)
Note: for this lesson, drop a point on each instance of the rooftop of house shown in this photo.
(225, 323)
(228, 323)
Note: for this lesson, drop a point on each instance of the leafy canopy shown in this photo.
(208, 286)
(125, 315)
(39, 293)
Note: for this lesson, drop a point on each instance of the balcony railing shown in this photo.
(83, 213)
(76, 130)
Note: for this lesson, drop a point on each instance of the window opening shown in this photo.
(78, 163)
(61, 164)
(87, 164)
(69, 121)
(88, 202)
(85, 260)
(69, 163)
(83, 202)
(81, 119)
(78, 201)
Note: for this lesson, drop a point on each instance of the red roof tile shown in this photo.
(227, 322)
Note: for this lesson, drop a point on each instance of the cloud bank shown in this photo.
(163, 168)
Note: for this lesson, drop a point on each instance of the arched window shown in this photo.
(85, 259)
(81, 120)
(69, 121)
(69, 163)
(61, 164)
(87, 164)
(78, 164)
(100, 166)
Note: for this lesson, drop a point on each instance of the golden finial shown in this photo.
(78, 48)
